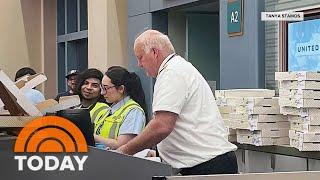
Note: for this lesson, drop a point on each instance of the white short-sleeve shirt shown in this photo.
(199, 134)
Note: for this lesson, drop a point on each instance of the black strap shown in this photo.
(167, 62)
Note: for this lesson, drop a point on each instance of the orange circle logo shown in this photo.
(50, 134)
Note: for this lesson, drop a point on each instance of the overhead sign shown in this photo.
(235, 17)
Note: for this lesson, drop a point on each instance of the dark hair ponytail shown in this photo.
(131, 82)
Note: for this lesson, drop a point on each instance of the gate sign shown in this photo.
(235, 17)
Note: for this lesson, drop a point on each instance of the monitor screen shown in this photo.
(304, 45)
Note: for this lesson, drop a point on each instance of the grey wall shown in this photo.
(177, 31)
(242, 57)
(136, 7)
(156, 5)
(204, 56)
(136, 25)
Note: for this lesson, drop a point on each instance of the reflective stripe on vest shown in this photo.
(99, 111)
(108, 127)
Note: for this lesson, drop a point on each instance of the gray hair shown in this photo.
(154, 39)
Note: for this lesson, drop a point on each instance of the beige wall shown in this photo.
(107, 33)
(14, 51)
(28, 37)
(31, 11)
(27, 41)
(49, 47)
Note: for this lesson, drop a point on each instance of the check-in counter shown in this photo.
(308, 175)
(256, 159)
(99, 165)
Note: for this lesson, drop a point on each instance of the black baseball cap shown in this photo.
(72, 73)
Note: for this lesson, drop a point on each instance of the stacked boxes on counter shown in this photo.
(255, 114)
(299, 94)
(225, 111)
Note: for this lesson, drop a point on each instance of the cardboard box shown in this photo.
(232, 138)
(268, 118)
(304, 136)
(303, 112)
(297, 76)
(265, 110)
(304, 127)
(248, 101)
(313, 85)
(263, 125)
(299, 103)
(16, 97)
(227, 109)
(29, 82)
(15, 121)
(225, 116)
(302, 146)
(311, 120)
(51, 105)
(264, 133)
(232, 131)
(245, 93)
(249, 109)
(258, 117)
(299, 93)
(252, 101)
(270, 125)
(244, 139)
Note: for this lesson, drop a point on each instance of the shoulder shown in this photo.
(136, 111)
(135, 116)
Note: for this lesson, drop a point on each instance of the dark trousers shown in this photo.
(222, 164)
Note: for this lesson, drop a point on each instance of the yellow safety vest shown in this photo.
(108, 127)
(98, 111)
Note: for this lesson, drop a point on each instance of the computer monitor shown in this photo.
(81, 118)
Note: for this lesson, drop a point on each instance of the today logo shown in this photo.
(50, 134)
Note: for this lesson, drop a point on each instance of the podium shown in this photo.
(100, 165)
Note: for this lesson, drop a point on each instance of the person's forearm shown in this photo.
(111, 143)
(151, 136)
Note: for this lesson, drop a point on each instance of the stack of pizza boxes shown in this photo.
(299, 99)
(225, 110)
(255, 115)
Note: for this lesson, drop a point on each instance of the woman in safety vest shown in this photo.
(127, 115)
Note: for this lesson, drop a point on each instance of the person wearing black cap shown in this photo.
(71, 82)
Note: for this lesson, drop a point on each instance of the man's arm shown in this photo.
(157, 130)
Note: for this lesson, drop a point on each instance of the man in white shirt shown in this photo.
(187, 125)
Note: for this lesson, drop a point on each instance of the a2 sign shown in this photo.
(235, 17)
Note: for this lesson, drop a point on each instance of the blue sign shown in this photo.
(304, 45)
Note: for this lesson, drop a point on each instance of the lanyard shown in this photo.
(167, 62)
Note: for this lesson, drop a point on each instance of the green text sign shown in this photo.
(234, 17)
